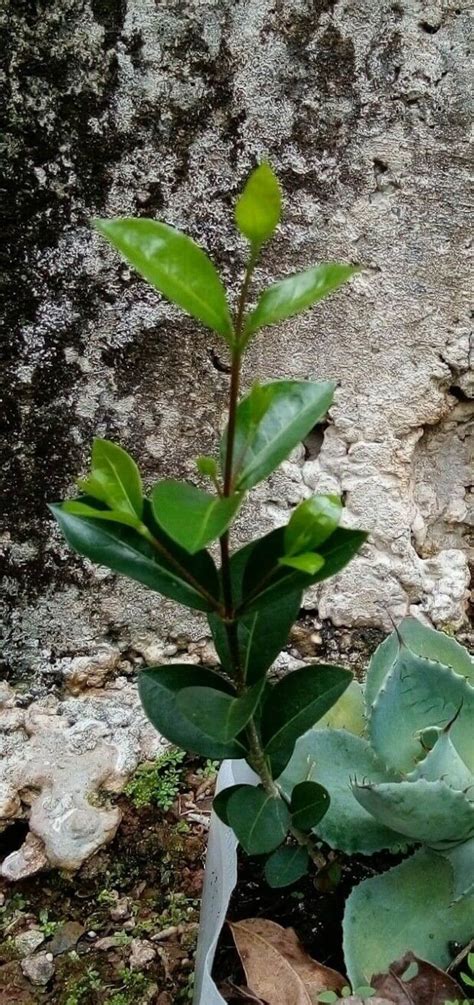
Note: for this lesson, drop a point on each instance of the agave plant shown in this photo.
(397, 757)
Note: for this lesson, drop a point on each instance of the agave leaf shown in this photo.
(419, 693)
(422, 641)
(444, 762)
(461, 860)
(407, 908)
(427, 812)
(348, 711)
(332, 757)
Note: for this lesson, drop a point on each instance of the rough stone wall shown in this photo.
(160, 108)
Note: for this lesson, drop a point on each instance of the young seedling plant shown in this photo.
(252, 600)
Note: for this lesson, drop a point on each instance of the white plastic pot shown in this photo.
(219, 881)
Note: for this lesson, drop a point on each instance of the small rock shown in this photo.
(30, 858)
(66, 937)
(120, 910)
(142, 954)
(109, 942)
(28, 941)
(129, 925)
(38, 969)
(2, 899)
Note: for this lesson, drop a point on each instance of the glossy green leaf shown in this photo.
(431, 813)
(297, 292)
(190, 516)
(286, 865)
(259, 821)
(309, 562)
(309, 802)
(271, 420)
(217, 714)
(261, 636)
(423, 641)
(159, 688)
(114, 479)
(220, 801)
(311, 523)
(297, 701)
(258, 210)
(79, 508)
(333, 757)
(265, 580)
(407, 908)
(123, 550)
(175, 265)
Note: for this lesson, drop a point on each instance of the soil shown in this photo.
(146, 886)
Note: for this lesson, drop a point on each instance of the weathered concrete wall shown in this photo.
(160, 108)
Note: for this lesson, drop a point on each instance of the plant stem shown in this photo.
(187, 576)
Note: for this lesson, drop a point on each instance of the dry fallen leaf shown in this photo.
(276, 966)
(424, 984)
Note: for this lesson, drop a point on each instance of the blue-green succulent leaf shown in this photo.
(427, 812)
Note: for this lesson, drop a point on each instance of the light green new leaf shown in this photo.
(309, 802)
(258, 209)
(79, 508)
(259, 821)
(175, 265)
(217, 714)
(271, 420)
(159, 689)
(286, 865)
(407, 908)
(191, 516)
(332, 757)
(114, 479)
(430, 813)
(309, 562)
(296, 293)
(297, 701)
(311, 523)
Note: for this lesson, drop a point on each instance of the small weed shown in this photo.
(106, 897)
(134, 985)
(158, 783)
(178, 910)
(80, 991)
(209, 769)
(47, 927)
(186, 993)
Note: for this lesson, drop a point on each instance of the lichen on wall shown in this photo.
(160, 108)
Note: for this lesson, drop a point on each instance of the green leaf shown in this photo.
(258, 210)
(332, 757)
(220, 801)
(259, 821)
(311, 523)
(427, 812)
(123, 550)
(217, 714)
(285, 866)
(261, 636)
(79, 508)
(159, 688)
(297, 701)
(190, 516)
(407, 908)
(309, 802)
(443, 761)
(308, 562)
(265, 580)
(296, 293)
(271, 420)
(114, 479)
(175, 265)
